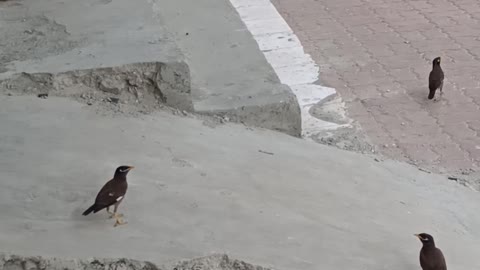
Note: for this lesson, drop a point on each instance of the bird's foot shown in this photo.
(119, 221)
(114, 215)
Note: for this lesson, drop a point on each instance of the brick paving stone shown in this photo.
(378, 53)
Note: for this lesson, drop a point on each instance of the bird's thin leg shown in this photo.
(115, 210)
(112, 214)
(118, 217)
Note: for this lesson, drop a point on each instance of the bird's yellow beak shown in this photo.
(419, 237)
(131, 167)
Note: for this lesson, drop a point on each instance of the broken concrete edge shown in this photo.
(282, 116)
(154, 82)
(215, 261)
(150, 84)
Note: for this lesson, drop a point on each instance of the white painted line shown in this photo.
(286, 55)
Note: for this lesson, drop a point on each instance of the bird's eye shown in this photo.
(123, 170)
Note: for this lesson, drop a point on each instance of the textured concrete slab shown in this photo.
(230, 75)
(198, 190)
(94, 33)
(378, 55)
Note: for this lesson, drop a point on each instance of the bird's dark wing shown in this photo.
(435, 79)
(442, 265)
(423, 261)
(108, 195)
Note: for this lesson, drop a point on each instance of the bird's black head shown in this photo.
(425, 238)
(436, 61)
(123, 170)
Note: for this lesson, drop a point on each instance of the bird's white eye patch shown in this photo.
(123, 170)
(119, 198)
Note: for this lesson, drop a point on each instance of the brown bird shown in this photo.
(435, 79)
(431, 258)
(112, 193)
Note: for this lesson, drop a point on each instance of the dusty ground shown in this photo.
(257, 195)
(30, 37)
(378, 53)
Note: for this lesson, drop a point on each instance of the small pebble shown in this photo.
(114, 100)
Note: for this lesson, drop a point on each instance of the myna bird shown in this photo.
(431, 258)
(112, 193)
(435, 79)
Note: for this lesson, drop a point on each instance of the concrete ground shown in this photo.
(257, 195)
(378, 55)
(201, 186)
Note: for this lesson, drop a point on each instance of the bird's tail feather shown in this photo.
(431, 94)
(89, 210)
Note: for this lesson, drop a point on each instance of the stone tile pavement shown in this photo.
(378, 53)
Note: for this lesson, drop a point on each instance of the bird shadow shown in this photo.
(420, 95)
(92, 220)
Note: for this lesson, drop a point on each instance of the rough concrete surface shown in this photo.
(213, 262)
(378, 54)
(257, 195)
(216, 262)
(146, 85)
(15, 262)
(58, 36)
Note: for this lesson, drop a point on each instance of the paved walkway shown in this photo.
(377, 54)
